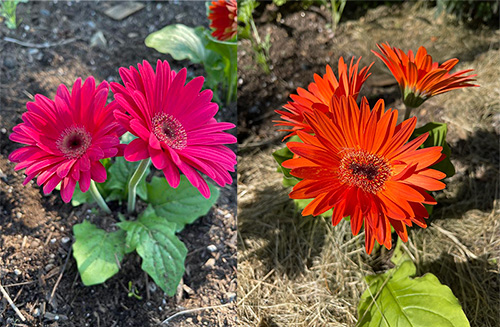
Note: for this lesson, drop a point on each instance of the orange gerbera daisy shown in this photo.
(419, 78)
(357, 163)
(223, 16)
(320, 94)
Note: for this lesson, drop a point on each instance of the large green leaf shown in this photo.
(97, 252)
(179, 41)
(182, 205)
(394, 299)
(437, 137)
(162, 253)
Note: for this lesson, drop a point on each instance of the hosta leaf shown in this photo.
(179, 41)
(162, 253)
(97, 252)
(182, 205)
(409, 302)
(437, 137)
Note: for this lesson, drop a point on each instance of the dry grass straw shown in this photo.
(300, 271)
(286, 272)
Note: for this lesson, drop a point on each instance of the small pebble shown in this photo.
(49, 267)
(230, 296)
(65, 240)
(19, 215)
(210, 263)
(3, 130)
(9, 62)
(98, 40)
(17, 272)
(212, 248)
(53, 240)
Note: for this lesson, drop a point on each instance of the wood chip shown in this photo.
(123, 10)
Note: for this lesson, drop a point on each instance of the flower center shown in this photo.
(169, 130)
(365, 170)
(74, 142)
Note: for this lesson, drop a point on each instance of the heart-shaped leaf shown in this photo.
(97, 252)
(395, 299)
(162, 253)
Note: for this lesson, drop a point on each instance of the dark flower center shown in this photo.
(74, 142)
(365, 170)
(169, 130)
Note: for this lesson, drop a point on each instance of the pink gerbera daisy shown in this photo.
(67, 137)
(175, 125)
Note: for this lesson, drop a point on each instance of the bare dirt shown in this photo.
(301, 271)
(36, 267)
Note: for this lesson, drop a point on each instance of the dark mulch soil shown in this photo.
(36, 230)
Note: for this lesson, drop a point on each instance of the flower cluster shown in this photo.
(174, 123)
(358, 161)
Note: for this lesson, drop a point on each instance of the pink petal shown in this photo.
(84, 181)
(67, 189)
(98, 172)
(136, 150)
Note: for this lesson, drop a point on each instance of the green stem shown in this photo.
(98, 197)
(407, 112)
(132, 184)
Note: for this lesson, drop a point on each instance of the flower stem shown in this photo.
(132, 184)
(98, 197)
(407, 112)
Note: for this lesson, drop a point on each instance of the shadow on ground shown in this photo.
(290, 242)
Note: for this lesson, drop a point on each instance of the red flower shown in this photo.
(223, 17)
(320, 95)
(419, 78)
(175, 125)
(357, 163)
(67, 137)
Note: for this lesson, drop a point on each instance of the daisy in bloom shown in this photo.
(66, 137)
(359, 163)
(419, 78)
(223, 17)
(174, 124)
(319, 95)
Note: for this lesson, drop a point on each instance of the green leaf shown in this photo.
(162, 253)
(409, 302)
(182, 205)
(179, 41)
(127, 138)
(284, 154)
(97, 252)
(437, 137)
(119, 175)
